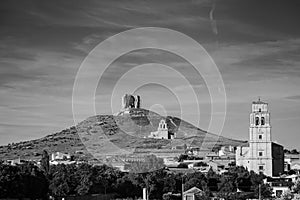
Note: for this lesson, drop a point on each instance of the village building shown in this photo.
(60, 156)
(262, 155)
(162, 132)
(291, 162)
(278, 185)
(193, 194)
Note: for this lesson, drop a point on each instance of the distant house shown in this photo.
(212, 155)
(295, 166)
(14, 162)
(193, 194)
(278, 185)
(294, 178)
(291, 161)
(65, 162)
(60, 156)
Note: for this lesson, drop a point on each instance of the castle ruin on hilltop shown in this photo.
(130, 101)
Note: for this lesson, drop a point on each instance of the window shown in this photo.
(256, 121)
(260, 153)
(259, 110)
(261, 167)
(260, 137)
(262, 121)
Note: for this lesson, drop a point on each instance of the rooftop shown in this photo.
(193, 190)
(258, 102)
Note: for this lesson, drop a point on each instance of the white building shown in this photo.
(60, 156)
(162, 131)
(262, 155)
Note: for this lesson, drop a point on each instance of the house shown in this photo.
(212, 155)
(295, 166)
(200, 166)
(14, 162)
(291, 162)
(65, 162)
(193, 194)
(294, 178)
(278, 185)
(60, 156)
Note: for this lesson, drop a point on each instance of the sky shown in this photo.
(254, 43)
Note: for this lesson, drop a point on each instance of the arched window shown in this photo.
(262, 121)
(256, 121)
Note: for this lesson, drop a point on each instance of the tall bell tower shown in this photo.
(262, 155)
(260, 143)
(260, 126)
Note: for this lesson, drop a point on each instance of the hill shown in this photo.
(122, 135)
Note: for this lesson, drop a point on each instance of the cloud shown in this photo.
(295, 97)
(42, 44)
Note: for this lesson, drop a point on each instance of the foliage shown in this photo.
(294, 151)
(183, 157)
(170, 196)
(22, 181)
(200, 164)
(45, 165)
(296, 187)
(287, 195)
(182, 165)
(28, 181)
(150, 163)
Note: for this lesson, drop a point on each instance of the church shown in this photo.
(261, 155)
(162, 132)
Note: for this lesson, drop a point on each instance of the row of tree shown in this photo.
(83, 179)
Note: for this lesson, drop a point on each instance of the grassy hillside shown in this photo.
(115, 135)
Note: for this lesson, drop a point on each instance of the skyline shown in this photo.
(43, 44)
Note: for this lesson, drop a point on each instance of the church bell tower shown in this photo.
(262, 155)
(260, 143)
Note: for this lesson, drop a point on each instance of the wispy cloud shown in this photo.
(42, 44)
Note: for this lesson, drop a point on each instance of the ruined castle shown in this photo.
(130, 101)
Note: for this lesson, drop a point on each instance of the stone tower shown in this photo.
(260, 142)
(131, 101)
(262, 155)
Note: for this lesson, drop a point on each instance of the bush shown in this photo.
(182, 165)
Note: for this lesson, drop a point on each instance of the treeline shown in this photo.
(75, 180)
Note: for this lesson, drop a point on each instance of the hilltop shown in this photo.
(111, 135)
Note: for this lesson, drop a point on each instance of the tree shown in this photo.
(196, 179)
(145, 170)
(227, 188)
(287, 195)
(182, 157)
(266, 191)
(22, 181)
(59, 181)
(182, 165)
(45, 165)
(294, 151)
(84, 174)
(150, 163)
(212, 180)
(244, 184)
(126, 188)
(296, 187)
